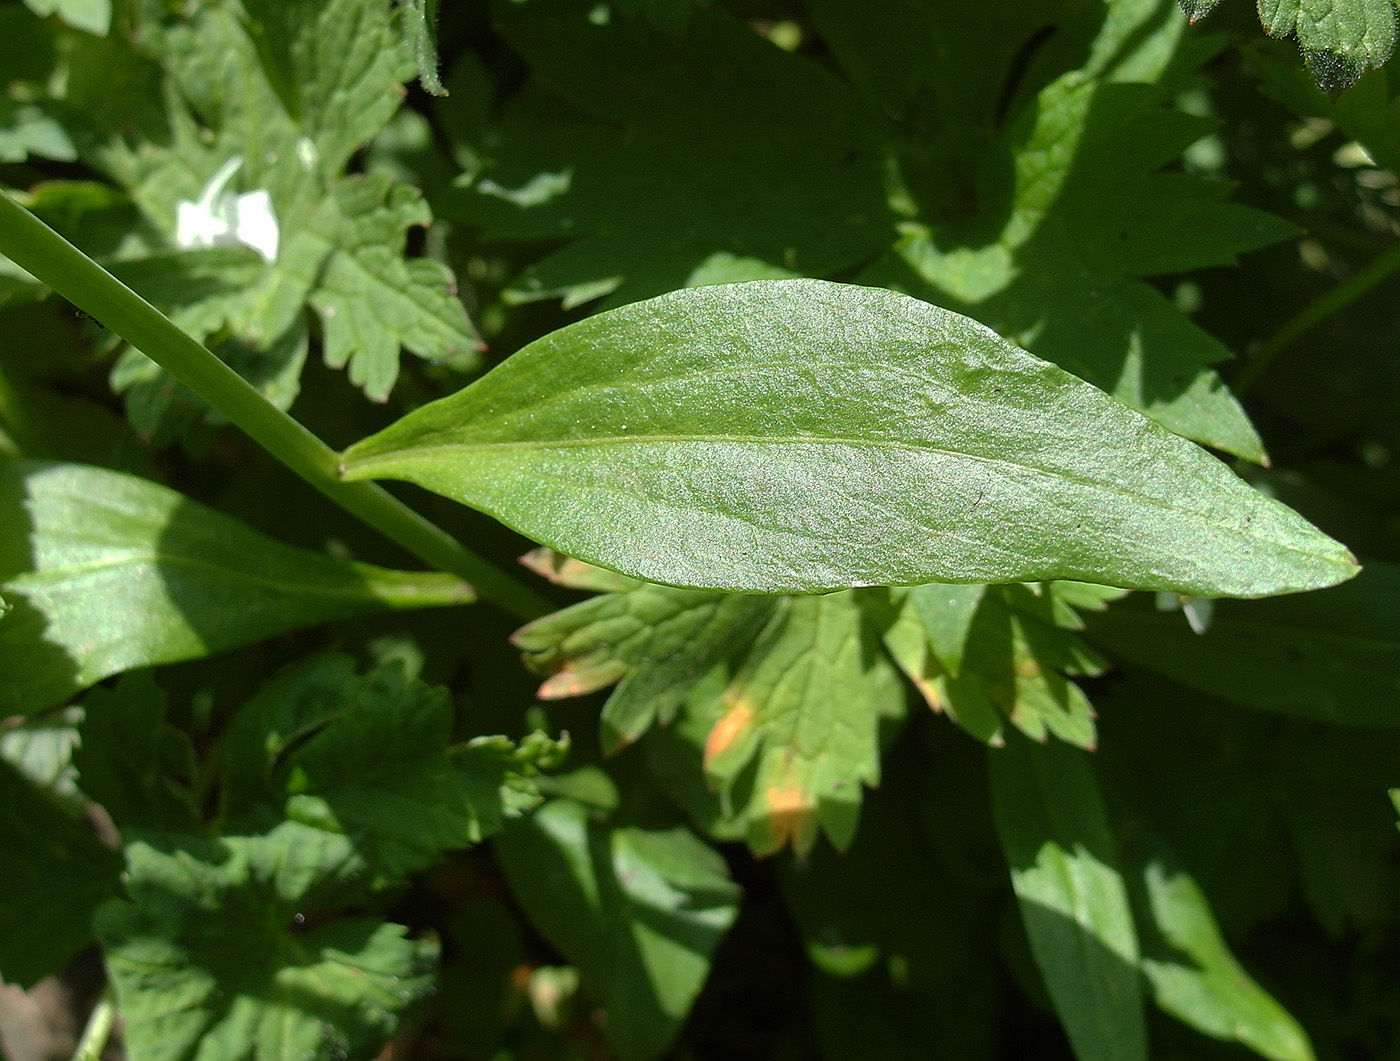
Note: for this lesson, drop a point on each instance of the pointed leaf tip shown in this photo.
(800, 436)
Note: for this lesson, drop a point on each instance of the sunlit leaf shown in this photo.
(1055, 833)
(800, 436)
(107, 572)
(658, 641)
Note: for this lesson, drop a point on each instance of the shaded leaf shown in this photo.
(946, 612)
(1055, 833)
(1186, 962)
(108, 572)
(219, 953)
(372, 757)
(669, 153)
(55, 875)
(133, 762)
(639, 912)
(1332, 656)
(1369, 111)
(800, 436)
(906, 974)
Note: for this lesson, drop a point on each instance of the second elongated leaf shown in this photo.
(802, 436)
(108, 572)
(1055, 834)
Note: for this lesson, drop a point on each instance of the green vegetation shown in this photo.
(954, 458)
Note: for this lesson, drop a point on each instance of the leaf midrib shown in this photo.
(420, 452)
(55, 575)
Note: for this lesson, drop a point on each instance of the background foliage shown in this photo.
(1048, 819)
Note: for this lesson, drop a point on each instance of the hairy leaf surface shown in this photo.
(802, 436)
(371, 756)
(218, 953)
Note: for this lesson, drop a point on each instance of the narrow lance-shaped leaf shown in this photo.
(1054, 831)
(802, 436)
(108, 572)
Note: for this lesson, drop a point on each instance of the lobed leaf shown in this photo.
(655, 642)
(797, 728)
(802, 436)
(1023, 649)
(372, 757)
(108, 572)
(219, 952)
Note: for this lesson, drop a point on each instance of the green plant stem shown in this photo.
(1314, 313)
(98, 1030)
(52, 260)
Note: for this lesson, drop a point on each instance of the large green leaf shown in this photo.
(801, 436)
(219, 954)
(940, 148)
(1331, 657)
(107, 572)
(639, 911)
(55, 873)
(1054, 830)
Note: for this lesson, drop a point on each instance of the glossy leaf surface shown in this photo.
(800, 436)
(107, 572)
